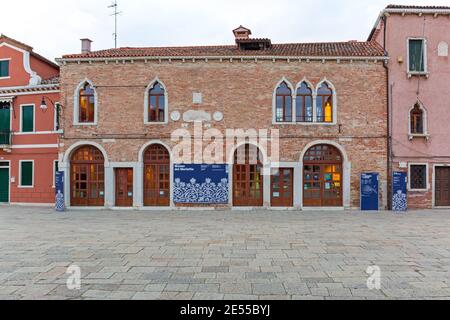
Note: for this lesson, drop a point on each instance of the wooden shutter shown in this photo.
(27, 119)
(26, 176)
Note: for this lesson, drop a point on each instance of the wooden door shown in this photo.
(322, 177)
(282, 187)
(248, 180)
(124, 187)
(157, 185)
(442, 188)
(4, 185)
(87, 177)
(156, 176)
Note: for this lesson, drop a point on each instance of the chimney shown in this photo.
(86, 45)
(242, 33)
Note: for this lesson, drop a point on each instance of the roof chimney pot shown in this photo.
(86, 45)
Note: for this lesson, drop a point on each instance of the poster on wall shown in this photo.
(369, 191)
(399, 191)
(201, 184)
(59, 191)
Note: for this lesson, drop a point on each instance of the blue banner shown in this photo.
(369, 191)
(59, 192)
(399, 191)
(201, 184)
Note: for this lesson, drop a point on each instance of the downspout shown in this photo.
(389, 119)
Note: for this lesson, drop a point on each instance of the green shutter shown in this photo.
(26, 175)
(27, 119)
(4, 68)
(416, 56)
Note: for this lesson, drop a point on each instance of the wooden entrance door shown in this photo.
(247, 177)
(322, 177)
(282, 187)
(4, 184)
(87, 177)
(156, 176)
(124, 187)
(442, 187)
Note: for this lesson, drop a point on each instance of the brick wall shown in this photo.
(243, 91)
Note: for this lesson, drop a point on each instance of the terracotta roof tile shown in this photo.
(330, 49)
(395, 6)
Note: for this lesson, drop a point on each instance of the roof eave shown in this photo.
(262, 57)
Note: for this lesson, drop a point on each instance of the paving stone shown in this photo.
(223, 254)
(268, 289)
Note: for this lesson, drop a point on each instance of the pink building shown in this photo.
(416, 39)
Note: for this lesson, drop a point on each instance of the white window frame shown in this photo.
(9, 73)
(314, 90)
(425, 57)
(333, 89)
(21, 118)
(274, 102)
(20, 175)
(425, 133)
(76, 104)
(427, 176)
(146, 103)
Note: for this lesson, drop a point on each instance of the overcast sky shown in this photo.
(54, 27)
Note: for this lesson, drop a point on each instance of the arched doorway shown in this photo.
(156, 176)
(323, 177)
(87, 177)
(247, 177)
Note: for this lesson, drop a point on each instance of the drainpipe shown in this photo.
(389, 122)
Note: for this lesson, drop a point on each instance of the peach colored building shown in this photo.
(417, 39)
(29, 132)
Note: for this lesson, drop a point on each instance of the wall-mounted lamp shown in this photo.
(55, 105)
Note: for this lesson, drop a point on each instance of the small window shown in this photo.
(416, 51)
(86, 111)
(304, 104)
(4, 68)
(283, 103)
(26, 173)
(157, 103)
(418, 177)
(324, 104)
(27, 118)
(417, 119)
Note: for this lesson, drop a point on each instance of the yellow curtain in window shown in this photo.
(328, 112)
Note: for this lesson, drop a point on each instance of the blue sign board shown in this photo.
(399, 191)
(369, 191)
(59, 191)
(201, 184)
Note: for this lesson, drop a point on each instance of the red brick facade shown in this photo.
(243, 90)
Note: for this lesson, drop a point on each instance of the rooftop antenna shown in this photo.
(114, 5)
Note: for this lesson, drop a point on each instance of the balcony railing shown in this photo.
(5, 138)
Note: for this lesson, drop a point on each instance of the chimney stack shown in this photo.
(242, 33)
(86, 45)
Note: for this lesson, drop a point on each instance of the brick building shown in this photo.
(28, 127)
(122, 106)
(416, 39)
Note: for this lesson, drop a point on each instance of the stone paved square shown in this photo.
(216, 255)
